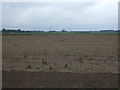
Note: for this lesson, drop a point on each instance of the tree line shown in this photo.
(63, 31)
(22, 31)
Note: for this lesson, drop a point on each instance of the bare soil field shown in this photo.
(33, 60)
(17, 79)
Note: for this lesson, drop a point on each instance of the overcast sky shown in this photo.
(58, 16)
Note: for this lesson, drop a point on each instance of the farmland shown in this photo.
(82, 57)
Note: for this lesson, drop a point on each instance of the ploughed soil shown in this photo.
(60, 60)
(18, 79)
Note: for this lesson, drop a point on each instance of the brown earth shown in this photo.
(18, 79)
(72, 56)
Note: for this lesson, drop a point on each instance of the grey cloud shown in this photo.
(71, 16)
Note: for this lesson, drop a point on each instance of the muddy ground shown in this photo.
(79, 57)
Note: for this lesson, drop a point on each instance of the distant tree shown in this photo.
(19, 30)
(52, 31)
(63, 31)
(3, 29)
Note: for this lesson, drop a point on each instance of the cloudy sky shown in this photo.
(60, 15)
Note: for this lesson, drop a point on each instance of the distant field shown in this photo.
(62, 33)
(26, 33)
(63, 53)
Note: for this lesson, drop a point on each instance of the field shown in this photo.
(48, 60)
